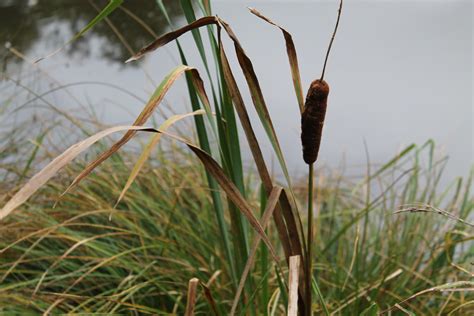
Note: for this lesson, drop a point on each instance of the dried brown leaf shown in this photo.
(292, 58)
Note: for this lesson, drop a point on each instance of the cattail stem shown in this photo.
(332, 39)
(309, 236)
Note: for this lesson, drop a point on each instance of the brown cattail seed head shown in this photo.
(312, 119)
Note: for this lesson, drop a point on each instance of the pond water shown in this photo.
(400, 71)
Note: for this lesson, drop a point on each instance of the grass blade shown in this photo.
(111, 6)
(168, 37)
(188, 10)
(233, 193)
(315, 285)
(271, 204)
(209, 298)
(458, 286)
(148, 149)
(264, 265)
(37, 143)
(366, 290)
(372, 310)
(51, 169)
(361, 213)
(387, 165)
(292, 58)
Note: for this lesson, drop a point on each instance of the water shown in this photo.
(400, 72)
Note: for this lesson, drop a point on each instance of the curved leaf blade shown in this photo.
(209, 163)
(111, 6)
(148, 149)
(292, 58)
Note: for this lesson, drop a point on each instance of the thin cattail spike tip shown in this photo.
(332, 39)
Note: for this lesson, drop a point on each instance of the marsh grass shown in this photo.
(180, 219)
(164, 233)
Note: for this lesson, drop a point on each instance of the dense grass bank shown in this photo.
(85, 256)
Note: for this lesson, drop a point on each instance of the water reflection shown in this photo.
(23, 23)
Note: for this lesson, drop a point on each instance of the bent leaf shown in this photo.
(292, 58)
(147, 111)
(111, 6)
(171, 36)
(147, 150)
(209, 163)
(51, 169)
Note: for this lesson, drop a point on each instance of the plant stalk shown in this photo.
(309, 256)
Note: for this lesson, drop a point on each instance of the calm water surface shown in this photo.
(400, 71)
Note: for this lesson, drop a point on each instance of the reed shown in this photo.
(312, 122)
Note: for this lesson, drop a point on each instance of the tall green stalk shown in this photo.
(309, 237)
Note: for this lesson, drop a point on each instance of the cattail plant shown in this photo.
(312, 122)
